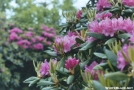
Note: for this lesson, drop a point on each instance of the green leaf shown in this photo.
(117, 76)
(83, 20)
(78, 40)
(70, 79)
(33, 82)
(128, 11)
(96, 35)
(43, 82)
(30, 79)
(110, 41)
(47, 88)
(87, 46)
(97, 85)
(124, 36)
(81, 28)
(100, 66)
(100, 55)
(111, 57)
(52, 53)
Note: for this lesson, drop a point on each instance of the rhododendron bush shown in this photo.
(93, 51)
(18, 49)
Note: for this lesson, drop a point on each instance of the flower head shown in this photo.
(13, 36)
(38, 46)
(128, 2)
(121, 62)
(79, 14)
(24, 43)
(71, 63)
(102, 16)
(15, 30)
(44, 69)
(103, 4)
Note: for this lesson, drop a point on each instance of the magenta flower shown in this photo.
(102, 16)
(44, 69)
(40, 38)
(64, 44)
(29, 34)
(79, 14)
(49, 35)
(132, 37)
(128, 2)
(103, 4)
(15, 30)
(24, 44)
(70, 33)
(71, 63)
(121, 62)
(13, 36)
(38, 46)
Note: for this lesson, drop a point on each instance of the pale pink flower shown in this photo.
(13, 36)
(44, 69)
(70, 33)
(38, 46)
(121, 62)
(128, 2)
(103, 4)
(15, 30)
(24, 43)
(29, 34)
(65, 43)
(71, 63)
(102, 16)
(94, 73)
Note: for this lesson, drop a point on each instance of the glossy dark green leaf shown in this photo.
(97, 85)
(111, 57)
(47, 88)
(70, 79)
(100, 55)
(87, 46)
(117, 76)
(78, 40)
(43, 82)
(125, 35)
(30, 79)
(52, 53)
(128, 11)
(110, 41)
(96, 35)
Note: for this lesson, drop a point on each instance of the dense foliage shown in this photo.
(94, 51)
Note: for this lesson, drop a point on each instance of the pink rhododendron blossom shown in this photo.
(71, 63)
(48, 34)
(13, 36)
(108, 27)
(44, 69)
(38, 46)
(29, 34)
(128, 2)
(15, 30)
(132, 37)
(64, 43)
(70, 33)
(89, 69)
(79, 14)
(103, 4)
(24, 43)
(121, 62)
(102, 16)
(40, 38)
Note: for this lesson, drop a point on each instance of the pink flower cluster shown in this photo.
(44, 69)
(79, 14)
(30, 40)
(102, 16)
(71, 63)
(103, 4)
(121, 62)
(94, 73)
(64, 44)
(128, 2)
(108, 27)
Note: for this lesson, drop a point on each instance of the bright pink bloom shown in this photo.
(44, 69)
(94, 73)
(38, 46)
(103, 4)
(132, 37)
(13, 36)
(15, 30)
(121, 62)
(79, 14)
(128, 2)
(71, 63)
(65, 43)
(24, 44)
(70, 33)
(40, 38)
(102, 16)
(29, 34)
(49, 35)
